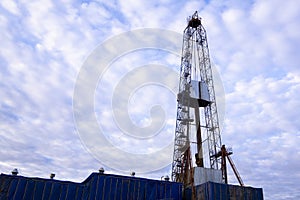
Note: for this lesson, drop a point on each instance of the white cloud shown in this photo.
(263, 127)
(11, 6)
(254, 45)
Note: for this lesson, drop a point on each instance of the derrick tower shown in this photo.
(197, 133)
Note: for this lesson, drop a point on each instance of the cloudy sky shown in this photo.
(45, 45)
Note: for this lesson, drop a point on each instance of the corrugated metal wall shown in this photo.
(96, 186)
(219, 191)
(203, 175)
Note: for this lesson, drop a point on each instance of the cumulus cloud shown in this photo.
(254, 45)
(263, 118)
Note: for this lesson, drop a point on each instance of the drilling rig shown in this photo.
(197, 123)
(197, 132)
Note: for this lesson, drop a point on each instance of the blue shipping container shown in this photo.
(96, 186)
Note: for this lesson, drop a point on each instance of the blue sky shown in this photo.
(253, 44)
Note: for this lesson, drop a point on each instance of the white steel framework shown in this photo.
(203, 123)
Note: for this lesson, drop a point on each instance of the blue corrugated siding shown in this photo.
(218, 191)
(95, 187)
(38, 190)
(28, 190)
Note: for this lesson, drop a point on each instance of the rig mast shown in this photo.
(197, 124)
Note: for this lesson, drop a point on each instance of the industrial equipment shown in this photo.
(197, 148)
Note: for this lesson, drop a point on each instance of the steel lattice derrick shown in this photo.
(182, 131)
(195, 65)
(211, 114)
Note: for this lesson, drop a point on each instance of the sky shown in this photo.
(46, 47)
